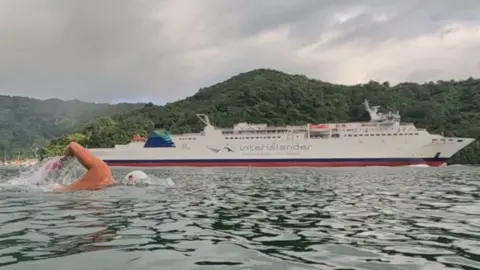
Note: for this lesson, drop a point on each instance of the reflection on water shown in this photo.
(377, 218)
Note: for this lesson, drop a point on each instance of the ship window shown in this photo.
(236, 137)
(416, 133)
(459, 140)
(355, 135)
(410, 133)
(389, 134)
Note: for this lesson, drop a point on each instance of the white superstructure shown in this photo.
(383, 141)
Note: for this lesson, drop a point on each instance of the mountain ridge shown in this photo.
(28, 122)
(277, 98)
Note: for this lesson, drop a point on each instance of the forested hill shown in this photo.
(273, 97)
(26, 122)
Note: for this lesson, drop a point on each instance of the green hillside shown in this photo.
(27, 122)
(273, 97)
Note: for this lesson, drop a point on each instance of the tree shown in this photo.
(276, 98)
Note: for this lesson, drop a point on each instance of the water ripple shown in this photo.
(382, 218)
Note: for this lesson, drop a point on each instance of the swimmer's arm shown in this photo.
(83, 156)
(92, 180)
(65, 188)
(72, 187)
(80, 184)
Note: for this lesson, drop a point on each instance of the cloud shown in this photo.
(165, 50)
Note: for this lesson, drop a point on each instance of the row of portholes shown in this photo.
(257, 137)
(187, 139)
(381, 134)
(234, 138)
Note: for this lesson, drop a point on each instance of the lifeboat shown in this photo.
(319, 127)
(137, 138)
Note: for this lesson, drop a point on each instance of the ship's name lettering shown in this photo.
(275, 147)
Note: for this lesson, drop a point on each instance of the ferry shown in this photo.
(382, 141)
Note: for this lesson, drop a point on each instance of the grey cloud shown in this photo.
(406, 19)
(75, 49)
(152, 50)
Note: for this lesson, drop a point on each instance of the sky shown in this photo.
(165, 50)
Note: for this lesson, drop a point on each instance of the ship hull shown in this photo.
(322, 153)
(356, 162)
(288, 150)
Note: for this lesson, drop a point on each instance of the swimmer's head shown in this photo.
(136, 178)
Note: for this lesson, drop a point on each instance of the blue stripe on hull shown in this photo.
(281, 160)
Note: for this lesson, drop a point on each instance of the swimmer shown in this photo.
(98, 176)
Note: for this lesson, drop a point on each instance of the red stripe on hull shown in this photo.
(275, 164)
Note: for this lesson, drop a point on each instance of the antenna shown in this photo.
(366, 105)
(204, 119)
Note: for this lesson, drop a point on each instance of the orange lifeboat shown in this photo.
(319, 126)
(137, 138)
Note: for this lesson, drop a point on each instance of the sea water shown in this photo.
(251, 218)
